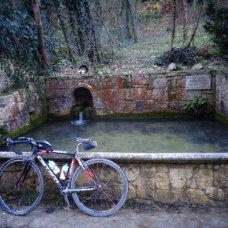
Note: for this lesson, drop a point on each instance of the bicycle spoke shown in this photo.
(110, 192)
(25, 193)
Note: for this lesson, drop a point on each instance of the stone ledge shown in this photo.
(143, 157)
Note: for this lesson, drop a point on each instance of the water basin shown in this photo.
(141, 135)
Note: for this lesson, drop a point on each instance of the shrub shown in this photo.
(196, 106)
(205, 51)
(183, 56)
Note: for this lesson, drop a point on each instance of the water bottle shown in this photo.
(64, 171)
(53, 166)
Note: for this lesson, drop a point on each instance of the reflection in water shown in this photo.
(139, 136)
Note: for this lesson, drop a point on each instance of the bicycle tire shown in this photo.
(23, 197)
(110, 181)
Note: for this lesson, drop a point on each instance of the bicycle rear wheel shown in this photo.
(21, 186)
(109, 184)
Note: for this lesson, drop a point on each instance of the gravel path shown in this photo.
(126, 218)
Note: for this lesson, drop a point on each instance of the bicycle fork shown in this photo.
(24, 173)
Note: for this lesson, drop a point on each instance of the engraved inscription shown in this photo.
(198, 82)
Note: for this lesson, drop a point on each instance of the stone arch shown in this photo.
(83, 97)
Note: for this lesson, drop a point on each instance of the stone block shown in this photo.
(160, 83)
(165, 196)
(140, 93)
(139, 106)
(148, 171)
(126, 106)
(197, 196)
(124, 82)
(179, 178)
(141, 190)
(159, 95)
(203, 178)
(132, 173)
(139, 80)
(125, 94)
(162, 181)
(162, 168)
(132, 192)
(220, 178)
(171, 85)
(181, 83)
(215, 193)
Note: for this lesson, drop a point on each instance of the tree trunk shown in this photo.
(174, 23)
(185, 19)
(196, 27)
(72, 23)
(86, 30)
(64, 30)
(131, 15)
(39, 27)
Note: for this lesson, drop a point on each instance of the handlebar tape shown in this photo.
(10, 144)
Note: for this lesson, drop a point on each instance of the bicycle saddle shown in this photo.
(82, 140)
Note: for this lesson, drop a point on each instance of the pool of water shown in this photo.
(150, 135)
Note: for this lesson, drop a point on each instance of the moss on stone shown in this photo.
(39, 120)
(89, 112)
(221, 118)
(116, 75)
(145, 115)
(74, 111)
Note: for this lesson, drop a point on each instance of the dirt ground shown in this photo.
(56, 217)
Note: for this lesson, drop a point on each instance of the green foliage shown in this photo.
(17, 34)
(107, 56)
(214, 52)
(198, 59)
(217, 25)
(195, 106)
(17, 74)
(183, 56)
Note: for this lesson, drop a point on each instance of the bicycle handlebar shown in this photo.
(44, 145)
(22, 140)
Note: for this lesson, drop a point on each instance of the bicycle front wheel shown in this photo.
(103, 187)
(21, 186)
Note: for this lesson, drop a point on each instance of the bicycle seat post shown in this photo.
(77, 148)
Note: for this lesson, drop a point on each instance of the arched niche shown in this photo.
(83, 98)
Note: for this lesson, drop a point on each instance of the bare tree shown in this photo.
(185, 20)
(128, 19)
(196, 26)
(174, 23)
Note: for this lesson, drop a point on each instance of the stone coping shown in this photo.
(143, 157)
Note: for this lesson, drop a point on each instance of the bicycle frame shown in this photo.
(64, 187)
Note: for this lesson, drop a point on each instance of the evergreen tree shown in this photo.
(217, 25)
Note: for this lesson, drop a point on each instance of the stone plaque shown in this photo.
(198, 82)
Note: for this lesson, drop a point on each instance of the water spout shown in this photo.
(80, 121)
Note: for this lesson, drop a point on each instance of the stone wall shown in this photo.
(195, 179)
(222, 93)
(19, 108)
(157, 92)
(163, 92)
(204, 184)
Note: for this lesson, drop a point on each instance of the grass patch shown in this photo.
(158, 41)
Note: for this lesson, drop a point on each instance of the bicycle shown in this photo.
(99, 187)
